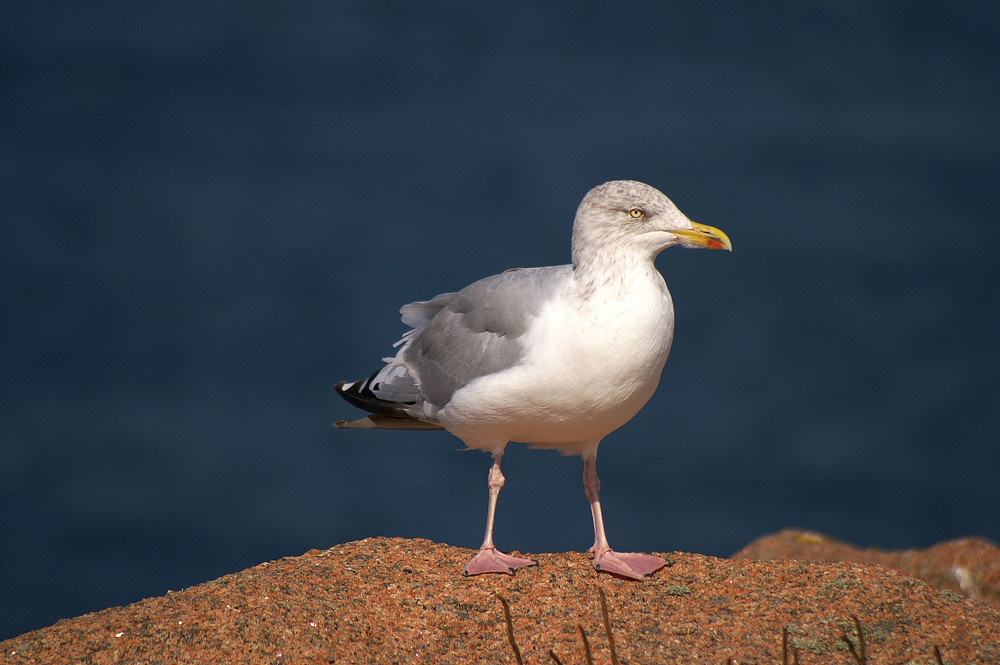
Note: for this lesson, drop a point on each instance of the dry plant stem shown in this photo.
(858, 653)
(607, 626)
(586, 646)
(510, 630)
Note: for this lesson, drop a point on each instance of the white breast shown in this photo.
(590, 365)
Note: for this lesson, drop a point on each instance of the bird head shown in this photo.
(629, 217)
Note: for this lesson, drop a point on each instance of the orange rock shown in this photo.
(969, 566)
(390, 600)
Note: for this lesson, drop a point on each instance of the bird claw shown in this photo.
(628, 564)
(491, 560)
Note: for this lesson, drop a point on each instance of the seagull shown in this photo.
(556, 357)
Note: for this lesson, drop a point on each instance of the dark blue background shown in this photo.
(213, 210)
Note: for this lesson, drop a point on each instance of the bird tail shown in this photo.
(375, 421)
(384, 413)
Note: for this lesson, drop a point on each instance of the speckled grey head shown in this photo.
(628, 217)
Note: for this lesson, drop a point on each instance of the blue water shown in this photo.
(212, 212)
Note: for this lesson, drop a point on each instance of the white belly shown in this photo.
(582, 377)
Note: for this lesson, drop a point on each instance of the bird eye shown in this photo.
(636, 213)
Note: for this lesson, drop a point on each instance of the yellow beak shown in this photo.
(702, 235)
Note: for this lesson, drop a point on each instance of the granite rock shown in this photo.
(969, 566)
(392, 600)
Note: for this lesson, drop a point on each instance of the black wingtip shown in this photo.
(357, 393)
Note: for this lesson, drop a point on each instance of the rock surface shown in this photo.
(969, 566)
(390, 600)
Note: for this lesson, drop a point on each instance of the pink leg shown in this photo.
(489, 559)
(606, 560)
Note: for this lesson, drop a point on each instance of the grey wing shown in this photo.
(477, 331)
(417, 314)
